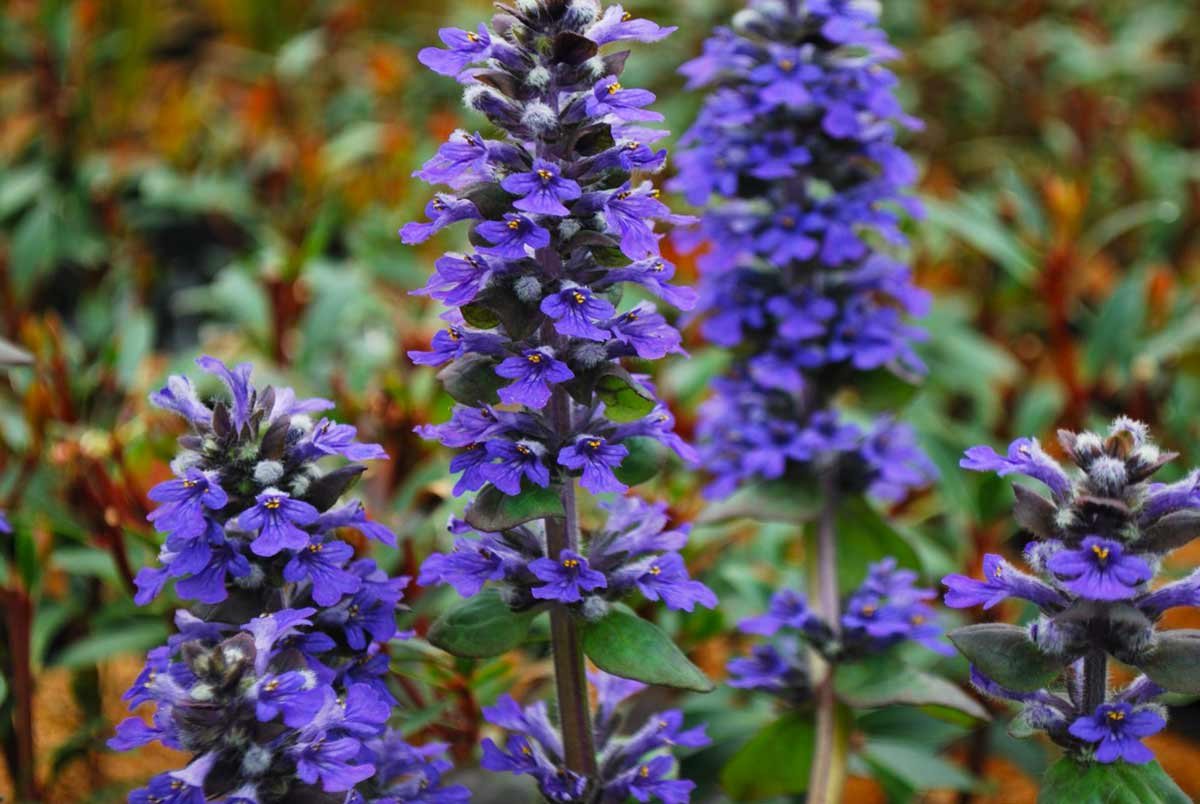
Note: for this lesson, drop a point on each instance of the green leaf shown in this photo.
(646, 457)
(787, 501)
(916, 767)
(479, 316)
(492, 510)
(883, 391)
(1175, 661)
(1006, 654)
(973, 220)
(865, 537)
(625, 399)
(775, 762)
(625, 645)
(886, 680)
(1118, 783)
(124, 638)
(472, 380)
(480, 627)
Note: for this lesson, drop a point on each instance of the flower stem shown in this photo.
(827, 775)
(1095, 680)
(570, 679)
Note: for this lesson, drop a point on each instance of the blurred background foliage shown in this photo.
(225, 176)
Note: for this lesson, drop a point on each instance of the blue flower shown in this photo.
(323, 564)
(277, 518)
(575, 310)
(1117, 730)
(543, 189)
(186, 499)
(533, 372)
(566, 578)
(510, 237)
(463, 48)
(1100, 569)
(596, 457)
(515, 460)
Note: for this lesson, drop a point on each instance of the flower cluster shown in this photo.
(559, 227)
(884, 611)
(634, 551)
(797, 137)
(275, 682)
(638, 765)
(1096, 545)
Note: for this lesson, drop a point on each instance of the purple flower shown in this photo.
(442, 211)
(1100, 569)
(626, 211)
(472, 462)
(209, 584)
(458, 278)
(331, 438)
(5, 527)
(649, 783)
(510, 237)
(1025, 456)
(462, 160)
(597, 458)
(468, 567)
(533, 372)
(322, 563)
(764, 669)
(646, 332)
(293, 695)
(329, 763)
(516, 460)
(566, 578)
(165, 789)
(277, 517)
(1117, 730)
(666, 578)
(575, 309)
(186, 499)
(787, 609)
(608, 97)
(615, 25)
(464, 47)
(543, 189)
(1001, 581)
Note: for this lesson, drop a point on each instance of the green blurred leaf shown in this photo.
(785, 501)
(886, 681)
(916, 767)
(775, 762)
(116, 639)
(973, 220)
(1174, 663)
(625, 645)
(865, 537)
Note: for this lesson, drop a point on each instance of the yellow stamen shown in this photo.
(578, 297)
(614, 87)
(514, 225)
(594, 443)
(472, 37)
(534, 358)
(626, 17)
(273, 503)
(1116, 715)
(570, 563)
(544, 174)
(190, 484)
(1101, 552)
(787, 65)
(868, 611)
(656, 570)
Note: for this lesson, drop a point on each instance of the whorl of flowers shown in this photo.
(559, 227)
(884, 611)
(1096, 545)
(633, 551)
(637, 765)
(275, 680)
(797, 139)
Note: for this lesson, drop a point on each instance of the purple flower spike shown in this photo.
(277, 517)
(533, 372)
(543, 189)
(575, 309)
(566, 579)
(1100, 570)
(597, 458)
(1117, 730)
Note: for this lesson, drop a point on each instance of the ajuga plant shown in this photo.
(1096, 546)
(276, 678)
(794, 156)
(562, 223)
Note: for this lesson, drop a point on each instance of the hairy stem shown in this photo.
(828, 765)
(570, 679)
(1095, 680)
